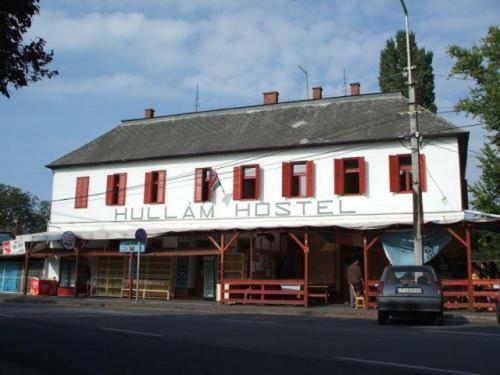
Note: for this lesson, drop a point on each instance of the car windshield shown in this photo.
(409, 277)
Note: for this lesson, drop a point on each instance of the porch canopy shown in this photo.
(475, 219)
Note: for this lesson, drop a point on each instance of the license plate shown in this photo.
(409, 290)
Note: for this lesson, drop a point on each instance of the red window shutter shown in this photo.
(82, 192)
(286, 180)
(310, 178)
(362, 175)
(109, 190)
(162, 183)
(198, 185)
(394, 173)
(237, 183)
(257, 182)
(148, 180)
(339, 176)
(423, 173)
(122, 189)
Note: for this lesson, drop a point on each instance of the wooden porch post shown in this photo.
(77, 249)
(365, 266)
(222, 247)
(250, 261)
(77, 270)
(26, 267)
(222, 251)
(470, 287)
(306, 269)
(305, 248)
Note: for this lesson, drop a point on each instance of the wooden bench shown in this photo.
(319, 292)
(149, 288)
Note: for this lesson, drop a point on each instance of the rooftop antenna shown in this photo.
(307, 80)
(196, 100)
(345, 84)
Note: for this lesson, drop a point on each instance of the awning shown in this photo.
(89, 235)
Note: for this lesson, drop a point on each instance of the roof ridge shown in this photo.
(265, 107)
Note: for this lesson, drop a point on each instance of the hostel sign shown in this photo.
(239, 210)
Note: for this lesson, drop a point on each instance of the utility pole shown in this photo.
(418, 212)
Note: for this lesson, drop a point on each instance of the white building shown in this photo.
(337, 169)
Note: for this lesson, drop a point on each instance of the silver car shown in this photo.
(405, 290)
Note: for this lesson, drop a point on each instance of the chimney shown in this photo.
(149, 113)
(271, 97)
(317, 93)
(355, 88)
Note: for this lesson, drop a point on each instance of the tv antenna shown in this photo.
(307, 80)
(196, 100)
(345, 84)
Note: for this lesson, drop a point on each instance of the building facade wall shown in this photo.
(442, 200)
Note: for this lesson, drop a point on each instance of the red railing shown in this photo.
(484, 293)
(267, 292)
(371, 293)
(455, 294)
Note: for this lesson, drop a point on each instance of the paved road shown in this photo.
(39, 339)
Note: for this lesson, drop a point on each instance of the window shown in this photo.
(202, 188)
(400, 173)
(82, 192)
(350, 176)
(246, 182)
(116, 189)
(298, 179)
(154, 187)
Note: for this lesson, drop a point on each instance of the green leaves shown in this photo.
(21, 63)
(393, 63)
(22, 210)
(482, 64)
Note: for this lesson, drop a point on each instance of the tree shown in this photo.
(21, 63)
(393, 62)
(22, 210)
(481, 63)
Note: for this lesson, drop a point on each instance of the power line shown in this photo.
(248, 159)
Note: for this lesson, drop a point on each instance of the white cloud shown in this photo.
(235, 50)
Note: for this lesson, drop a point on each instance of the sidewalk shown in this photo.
(211, 307)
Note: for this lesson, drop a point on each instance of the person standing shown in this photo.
(355, 280)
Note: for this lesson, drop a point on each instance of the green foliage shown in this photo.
(482, 64)
(21, 63)
(22, 210)
(393, 62)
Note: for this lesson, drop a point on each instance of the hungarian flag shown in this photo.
(214, 181)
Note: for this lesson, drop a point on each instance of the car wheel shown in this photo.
(382, 317)
(438, 319)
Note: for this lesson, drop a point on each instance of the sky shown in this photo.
(117, 57)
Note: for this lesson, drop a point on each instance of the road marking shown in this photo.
(402, 365)
(470, 333)
(131, 332)
(7, 315)
(248, 321)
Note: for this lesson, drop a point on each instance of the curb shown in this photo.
(235, 309)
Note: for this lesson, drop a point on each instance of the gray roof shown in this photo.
(340, 120)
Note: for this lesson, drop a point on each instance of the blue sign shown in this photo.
(68, 240)
(131, 246)
(140, 235)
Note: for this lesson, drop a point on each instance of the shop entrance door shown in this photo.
(208, 277)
